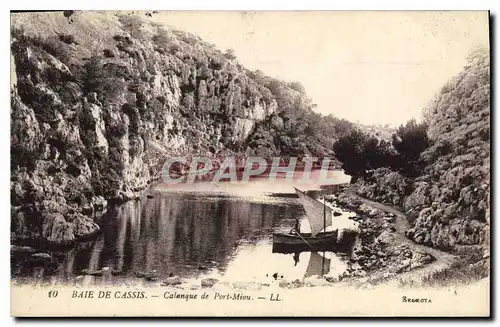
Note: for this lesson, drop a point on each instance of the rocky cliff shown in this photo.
(97, 105)
(448, 204)
(451, 198)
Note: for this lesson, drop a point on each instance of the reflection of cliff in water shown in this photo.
(180, 234)
(191, 235)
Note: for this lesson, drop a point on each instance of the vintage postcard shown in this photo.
(301, 163)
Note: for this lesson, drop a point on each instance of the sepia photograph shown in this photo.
(250, 163)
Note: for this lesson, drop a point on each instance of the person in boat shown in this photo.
(296, 227)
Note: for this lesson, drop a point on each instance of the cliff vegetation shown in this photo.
(99, 102)
(438, 170)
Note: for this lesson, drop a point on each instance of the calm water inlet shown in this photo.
(224, 233)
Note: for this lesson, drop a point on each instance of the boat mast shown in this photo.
(324, 214)
(323, 265)
(324, 231)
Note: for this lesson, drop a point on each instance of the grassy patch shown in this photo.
(469, 268)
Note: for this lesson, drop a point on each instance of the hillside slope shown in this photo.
(98, 104)
(452, 196)
(448, 203)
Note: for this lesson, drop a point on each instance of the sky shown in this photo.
(369, 67)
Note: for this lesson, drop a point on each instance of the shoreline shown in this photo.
(415, 264)
(382, 255)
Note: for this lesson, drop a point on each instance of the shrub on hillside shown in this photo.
(163, 39)
(229, 54)
(55, 47)
(410, 141)
(297, 86)
(174, 48)
(96, 79)
(51, 44)
(360, 152)
(67, 38)
(133, 25)
(349, 150)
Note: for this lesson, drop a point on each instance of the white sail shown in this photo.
(319, 215)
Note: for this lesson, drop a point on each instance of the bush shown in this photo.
(96, 79)
(162, 39)
(360, 153)
(133, 24)
(174, 48)
(410, 141)
(229, 54)
(297, 86)
(51, 44)
(122, 38)
(57, 48)
(349, 150)
(108, 53)
(67, 38)
(189, 39)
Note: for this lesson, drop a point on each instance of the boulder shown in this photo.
(84, 227)
(175, 280)
(314, 281)
(389, 219)
(402, 266)
(285, 284)
(331, 279)
(420, 259)
(208, 282)
(385, 238)
(247, 285)
(56, 229)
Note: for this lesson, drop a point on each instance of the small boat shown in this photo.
(283, 243)
(302, 238)
(317, 212)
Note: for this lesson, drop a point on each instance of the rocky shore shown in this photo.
(380, 254)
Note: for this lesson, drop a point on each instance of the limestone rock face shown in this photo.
(385, 186)
(243, 127)
(409, 260)
(95, 121)
(455, 205)
(448, 205)
(57, 230)
(385, 238)
(84, 226)
(419, 197)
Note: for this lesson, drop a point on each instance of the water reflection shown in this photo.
(192, 236)
(179, 234)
